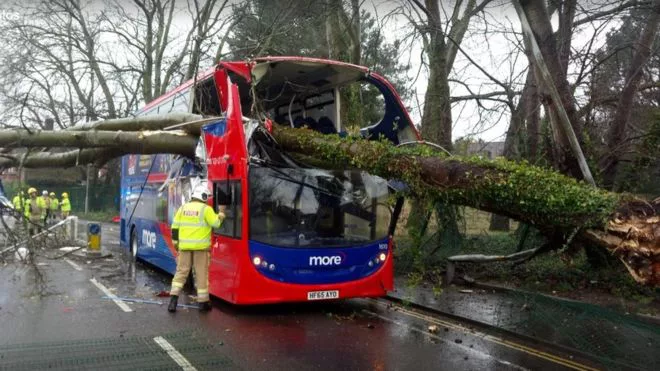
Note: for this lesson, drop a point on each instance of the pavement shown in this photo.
(62, 319)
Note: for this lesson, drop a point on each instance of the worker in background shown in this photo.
(65, 205)
(46, 209)
(191, 234)
(54, 206)
(34, 211)
(18, 201)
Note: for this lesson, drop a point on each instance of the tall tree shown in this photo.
(350, 34)
(617, 132)
(441, 39)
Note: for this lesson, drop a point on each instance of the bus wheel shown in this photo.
(134, 244)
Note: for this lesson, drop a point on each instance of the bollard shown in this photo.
(71, 228)
(94, 238)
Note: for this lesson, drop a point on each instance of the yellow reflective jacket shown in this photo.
(66, 204)
(54, 204)
(194, 221)
(18, 202)
(46, 205)
(35, 209)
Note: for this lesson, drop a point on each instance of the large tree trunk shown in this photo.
(100, 146)
(513, 143)
(628, 228)
(436, 118)
(557, 205)
(560, 107)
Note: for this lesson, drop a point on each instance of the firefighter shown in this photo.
(19, 201)
(46, 209)
(65, 205)
(54, 206)
(34, 210)
(191, 234)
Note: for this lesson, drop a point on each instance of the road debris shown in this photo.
(433, 329)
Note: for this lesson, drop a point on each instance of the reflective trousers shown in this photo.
(199, 261)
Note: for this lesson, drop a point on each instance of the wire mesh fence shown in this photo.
(101, 197)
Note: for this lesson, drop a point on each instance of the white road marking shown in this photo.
(74, 265)
(174, 354)
(105, 290)
(446, 341)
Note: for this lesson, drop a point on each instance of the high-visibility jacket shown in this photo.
(35, 208)
(46, 205)
(54, 204)
(194, 221)
(18, 202)
(66, 204)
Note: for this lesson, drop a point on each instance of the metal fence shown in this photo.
(101, 197)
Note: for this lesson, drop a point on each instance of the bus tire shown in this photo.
(134, 244)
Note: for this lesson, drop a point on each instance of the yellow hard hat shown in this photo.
(32, 190)
(64, 194)
(52, 194)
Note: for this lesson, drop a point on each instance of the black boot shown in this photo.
(173, 302)
(205, 306)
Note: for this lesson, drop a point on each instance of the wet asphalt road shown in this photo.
(74, 327)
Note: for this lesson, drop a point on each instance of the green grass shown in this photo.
(552, 272)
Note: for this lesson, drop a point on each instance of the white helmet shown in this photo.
(201, 193)
(45, 193)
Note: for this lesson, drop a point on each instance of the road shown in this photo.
(67, 323)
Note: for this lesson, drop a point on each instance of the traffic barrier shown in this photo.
(93, 238)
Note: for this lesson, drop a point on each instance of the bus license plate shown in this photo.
(323, 295)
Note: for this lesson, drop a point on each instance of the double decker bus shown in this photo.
(293, 232)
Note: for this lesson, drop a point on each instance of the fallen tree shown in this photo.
(565, 210)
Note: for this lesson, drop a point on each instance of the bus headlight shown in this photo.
(382, 256)
(264, 264)
(256, 260)
(271, 267)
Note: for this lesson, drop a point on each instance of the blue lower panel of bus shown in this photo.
(152, 246)
(318, 265)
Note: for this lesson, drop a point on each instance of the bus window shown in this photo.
(228, 195)
(180, 103)
(206, 99)
(161, 209)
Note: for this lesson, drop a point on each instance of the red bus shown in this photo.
(293, 232)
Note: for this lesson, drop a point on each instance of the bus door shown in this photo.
(226, 157)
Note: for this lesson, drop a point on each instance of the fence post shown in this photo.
(87, 191)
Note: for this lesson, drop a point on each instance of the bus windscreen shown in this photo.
(311, 208)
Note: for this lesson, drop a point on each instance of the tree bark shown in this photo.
(99, 146)
(627, 227)
(557, 96)
(169, 141)
(436, 116)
